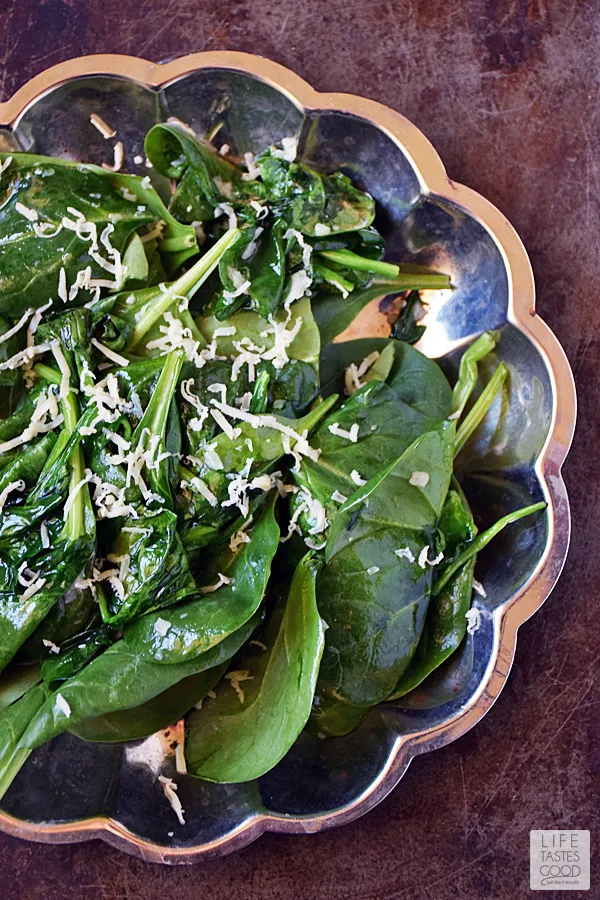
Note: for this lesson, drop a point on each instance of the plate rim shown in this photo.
(521, 312)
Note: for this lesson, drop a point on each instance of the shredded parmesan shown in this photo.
(423, 558)
(210, 589)
(105, 130)
(51, 646)
(62, 705)
(321, 230)
(30, 214)
(338, 497)
(18, 485)
(161, 626)
(74, 491)
(473, 617)
(419, 479)
(479, 588)
(354, 373)
(405, 553)
(44, 536)
(8, 334)
(372, 570)
(253, 170)
(110, 354)
(202, 489)
(119, 158)
(351, 435)
(235, 678)
(45, 418)
(289, 149)
(32, 589)
(306, 247)
(356, 478)
(170, 789)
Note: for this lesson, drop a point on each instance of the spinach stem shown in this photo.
(360, 263)
(482, 540)
(11, 768)
(185, 286)
(334, 278)
(480, 408)
(467, 373)
(47, 373)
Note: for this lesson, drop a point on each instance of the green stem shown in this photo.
(480, 408)
(175, 244)
(334, 278)
(185, 286)
(154, 420)
(482, 540)
(360, 263)
(11, 768)
(467, 374)
(47, 373)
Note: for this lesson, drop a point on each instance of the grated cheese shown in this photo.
(321, 230)
(356, 478)
(210, 589)
(338, 497)
(18, 485)
(105, 130)
(32, 589)
(235, 678)
(170, 789)
(405, 553)
(477, 587)
(45, 418)
(44, 536)
(473, 617)
(65, 371)
(8, 334)
(161, 626)
(119, 158)
(29, 214)
(62, 705)
(74, 491)
(51, 646)
(261, 211)
(298, 286)
(110, 354)
(306, 247)
(224, 149)
(289, 149)
(419, 479)
(354, 373)
(202, 489)
(282, 340)
(372, 570)
(250, 250)
(253, 170)
(4, 166)
(351, 435)
(423, 558)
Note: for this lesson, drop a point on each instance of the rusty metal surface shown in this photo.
(506, 93)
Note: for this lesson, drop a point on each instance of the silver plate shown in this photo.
(73, 791)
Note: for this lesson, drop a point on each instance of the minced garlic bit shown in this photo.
(351, 435)
(236, 677)
(170, 789)
(405, 553)
(210, 589)
(419, 479)
(473, 617)
(105, 130)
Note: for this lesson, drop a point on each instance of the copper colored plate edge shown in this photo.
(521, 313)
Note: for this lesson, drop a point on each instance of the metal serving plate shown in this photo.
(73, 791)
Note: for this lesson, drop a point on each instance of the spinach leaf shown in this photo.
(405, 328)
(229, 741)
(373, 598)
(118, 679)
(305, 345)
(154, 715)
(196, 626)
(16, 681)
(206, 179)
(30, 277)
(334, 718)
(333, 311)
(14, 721)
